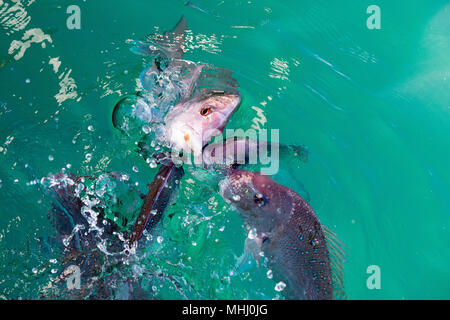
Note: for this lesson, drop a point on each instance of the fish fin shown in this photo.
(142, 48)
(252, 247)
(337, 258)
(172, 41)
(169, 44)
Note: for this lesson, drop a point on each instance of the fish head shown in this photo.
(191, 124)
(257, 197)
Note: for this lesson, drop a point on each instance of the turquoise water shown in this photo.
(372, 106)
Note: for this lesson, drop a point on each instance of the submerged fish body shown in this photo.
(88, 239)
(288, 233)
(95, 242)
(246, 151)
(90, 203)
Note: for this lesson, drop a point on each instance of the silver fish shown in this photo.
(304, 261)
(206, 96)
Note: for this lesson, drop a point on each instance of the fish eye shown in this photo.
(205, 111)
(260, 199)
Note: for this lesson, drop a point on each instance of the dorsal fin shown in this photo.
(170, 44)
(173, 41)
(337, 257)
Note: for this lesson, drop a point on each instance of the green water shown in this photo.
(372, 106)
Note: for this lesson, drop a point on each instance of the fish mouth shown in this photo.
(185, 138)
(229, 191)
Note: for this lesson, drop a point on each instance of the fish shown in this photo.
(161, 191)
(304, 256)
(90, 239)
(206, 96)
(84, 233)
(207, 99)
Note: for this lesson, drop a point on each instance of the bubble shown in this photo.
(135, 169)
(236, 197)
(280, 286)
(159, 239)
(50, 158)
(146, 128)
(269, 274)
(153, 164)
(91, 128)
(27, 80)
(130, 114)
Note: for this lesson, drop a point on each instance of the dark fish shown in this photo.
(302, 258)
(161, 191)
(79, 238)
